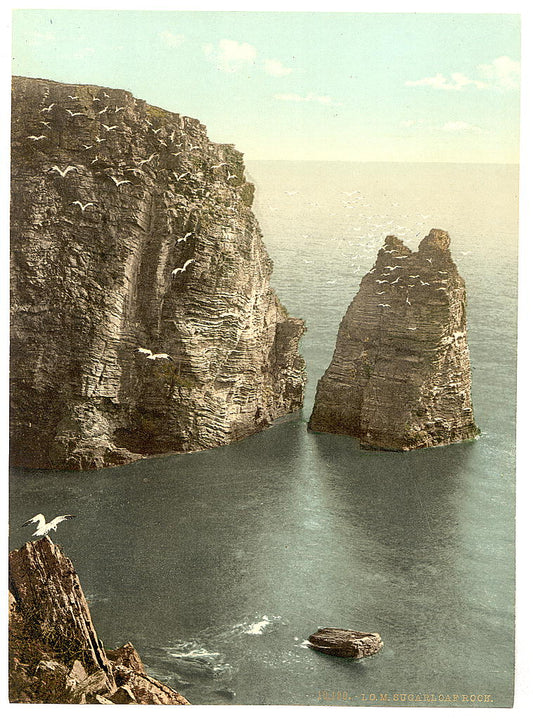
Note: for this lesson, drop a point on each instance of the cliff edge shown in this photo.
(55, 655)
(142, 316)
(400, 374)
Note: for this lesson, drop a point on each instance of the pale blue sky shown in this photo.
(301, 85)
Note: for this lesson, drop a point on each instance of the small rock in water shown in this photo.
(346, 643)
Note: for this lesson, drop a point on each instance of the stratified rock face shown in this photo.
(55, 655)
(400, 374)
(130, 229)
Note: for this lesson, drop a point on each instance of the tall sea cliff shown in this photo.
(143, 320)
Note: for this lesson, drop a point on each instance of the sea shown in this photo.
(218, 565)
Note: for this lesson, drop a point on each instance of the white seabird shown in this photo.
(43, 527)
(182, 269)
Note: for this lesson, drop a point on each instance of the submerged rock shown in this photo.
(143, 320)
(345, 643)
(55, 655)
(400, 374)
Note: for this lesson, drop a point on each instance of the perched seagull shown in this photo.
(82, 206)
(36, 137)
(64, 172)
(182, 269)
(117, 182)
(43, 527)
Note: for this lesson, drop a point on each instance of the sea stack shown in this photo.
(142, 316)
(400, 374)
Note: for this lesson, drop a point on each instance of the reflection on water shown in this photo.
(218, 565)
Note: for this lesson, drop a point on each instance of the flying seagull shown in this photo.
(43, 527)
(36, 137)
(153, 356)
(73, 114)
(47, 109)
(109, 127)
(64, 172)
(152, 156)
(182, 239)
(182, 269)
(118, 183)
(82, 206)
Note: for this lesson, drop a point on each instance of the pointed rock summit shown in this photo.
(400, 374)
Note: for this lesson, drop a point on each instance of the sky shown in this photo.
(402, 87)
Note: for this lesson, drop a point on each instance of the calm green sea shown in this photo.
(218, 565)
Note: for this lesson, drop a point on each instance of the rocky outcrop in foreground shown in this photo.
(400, 374)
(345, 643)
(55, 655)
(143, 320)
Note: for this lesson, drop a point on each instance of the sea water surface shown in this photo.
(218, 565)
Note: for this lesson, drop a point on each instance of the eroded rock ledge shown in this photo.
(111, 199)
(400, 374)
(55, 655)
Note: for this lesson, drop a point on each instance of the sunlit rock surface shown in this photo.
(131, 229)
(400, 374)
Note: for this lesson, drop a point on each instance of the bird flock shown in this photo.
(107, 133)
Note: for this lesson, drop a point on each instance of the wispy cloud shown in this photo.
(310, 97)
(230, 55)
(171, 39)
(502, 73)
(275, 68)
(40, 38)
(460, 126)
(411, 123)
(457, 81)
